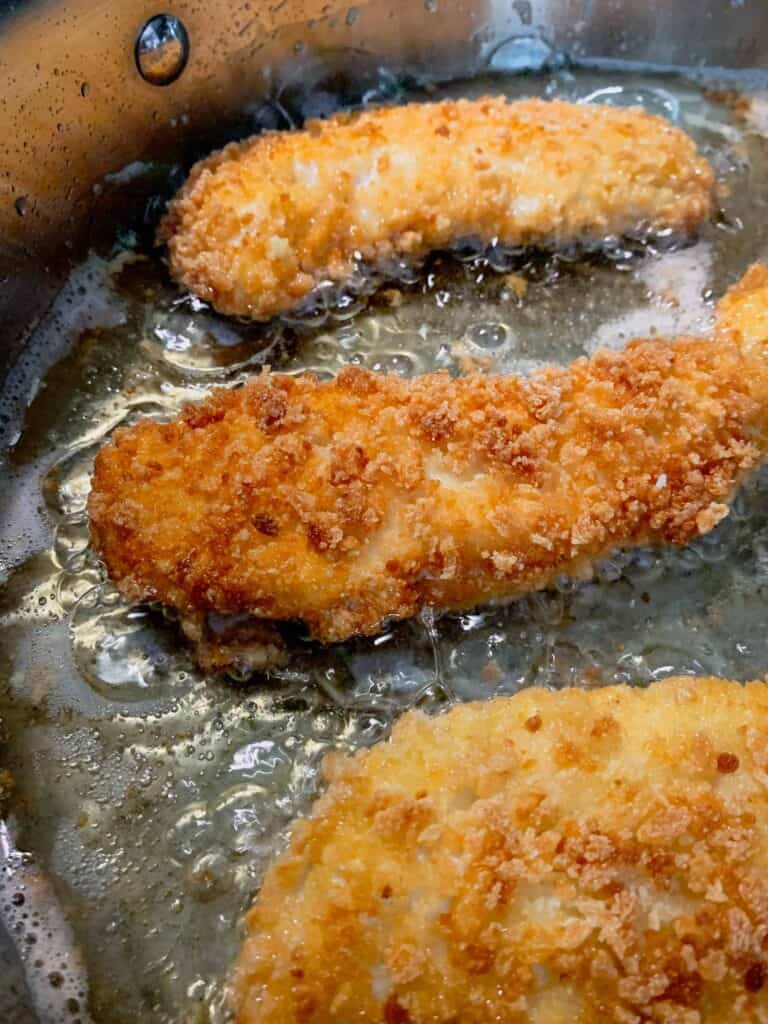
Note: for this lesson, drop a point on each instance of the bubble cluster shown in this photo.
(53, 966)
(155, 795)
(123, 651)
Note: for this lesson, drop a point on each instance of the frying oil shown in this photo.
(152, 796)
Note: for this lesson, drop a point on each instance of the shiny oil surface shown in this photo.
(153, 797)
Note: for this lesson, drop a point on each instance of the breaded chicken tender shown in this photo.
(345, 503)
(260, 224)
(571, 857)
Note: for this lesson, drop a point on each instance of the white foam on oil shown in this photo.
(676, 302)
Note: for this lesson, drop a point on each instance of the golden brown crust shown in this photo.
(261, 223)
(742, 313)
(609, 866)
(346, 502)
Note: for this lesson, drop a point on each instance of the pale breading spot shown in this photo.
(571, 857)
(344, 503)
(258, 225)
(742, 313)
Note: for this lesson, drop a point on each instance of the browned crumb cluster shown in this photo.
(261, 223)
(738, 103)
(346, 502)
(572, 857)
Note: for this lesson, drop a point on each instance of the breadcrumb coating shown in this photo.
(345, 503)
(569, 857)
(261, 223)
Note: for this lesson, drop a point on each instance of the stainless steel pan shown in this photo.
(88, 90)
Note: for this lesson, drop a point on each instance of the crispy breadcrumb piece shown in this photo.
(260, 224)
(344, 503)
(570, 857)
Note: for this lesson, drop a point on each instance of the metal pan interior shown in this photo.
(152, 797)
